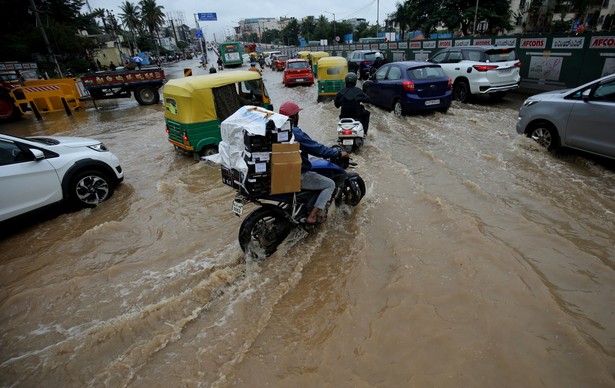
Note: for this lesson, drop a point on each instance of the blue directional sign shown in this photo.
(208, 16)
(198, 33)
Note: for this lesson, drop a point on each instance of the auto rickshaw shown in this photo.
(316, 55)
(194, 107)
(303, 54)
(331, 74)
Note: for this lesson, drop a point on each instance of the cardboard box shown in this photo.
(285, 168)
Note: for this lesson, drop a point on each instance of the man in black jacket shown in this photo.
(350, 99)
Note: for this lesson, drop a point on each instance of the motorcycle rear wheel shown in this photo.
(262, 231)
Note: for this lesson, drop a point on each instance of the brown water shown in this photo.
(476, 259)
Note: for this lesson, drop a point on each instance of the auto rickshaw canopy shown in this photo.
(191, 99)
(303, 54)
(332, 68)
(316, 55)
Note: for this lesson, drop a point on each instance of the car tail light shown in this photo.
(408, 86)
(167, 129)
(450, 83)
(185, 137)
(518, 64)
(366, 63)
(484, 67)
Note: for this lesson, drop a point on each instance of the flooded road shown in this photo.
(476, 259)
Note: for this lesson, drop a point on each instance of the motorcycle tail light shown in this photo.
(347, 132)
(408, 86)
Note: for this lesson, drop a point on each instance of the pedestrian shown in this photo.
(112, 66)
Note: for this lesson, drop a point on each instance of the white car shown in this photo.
(477, 70)
(41, 171)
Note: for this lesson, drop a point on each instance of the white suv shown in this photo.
(39, 171)
(476, 70)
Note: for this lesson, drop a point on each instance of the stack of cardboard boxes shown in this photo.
(269, 163)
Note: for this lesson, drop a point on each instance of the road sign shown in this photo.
(198, 33)
(208, 16)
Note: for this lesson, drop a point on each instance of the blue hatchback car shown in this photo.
(410, 86)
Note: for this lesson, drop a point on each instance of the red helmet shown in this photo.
(289, 108)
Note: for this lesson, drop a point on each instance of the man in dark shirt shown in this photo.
(350, 99)
(311, 180)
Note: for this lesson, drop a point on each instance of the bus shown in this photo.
(230, 52)
(372, 40)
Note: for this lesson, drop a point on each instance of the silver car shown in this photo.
(582, 118)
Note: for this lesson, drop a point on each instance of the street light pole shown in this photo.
(475, 14)
(334, 33)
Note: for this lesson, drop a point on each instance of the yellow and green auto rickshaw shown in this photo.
(194, 107)
(331, 74)
(303, 54)
(316, 55)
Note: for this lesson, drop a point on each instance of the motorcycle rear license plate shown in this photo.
(237, 208)
(347, 142)
(432, 102)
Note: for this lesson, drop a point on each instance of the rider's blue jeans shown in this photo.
(311, 180)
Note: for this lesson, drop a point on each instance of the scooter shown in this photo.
(350, 134)
(265, 228)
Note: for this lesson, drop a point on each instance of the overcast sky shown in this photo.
(229, 12)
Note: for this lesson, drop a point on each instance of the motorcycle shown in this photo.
(265, 228)
(350, 134)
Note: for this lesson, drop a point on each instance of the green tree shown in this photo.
(308, 26)
(290, 33)
(402, 16)
(131, 19)
(153, 17)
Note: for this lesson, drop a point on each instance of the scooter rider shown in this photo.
(311, 180)
(350, 99)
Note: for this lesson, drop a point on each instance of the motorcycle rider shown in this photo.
(350, 99)
(311, 180)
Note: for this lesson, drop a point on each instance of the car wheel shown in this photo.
(546, 135)
(88, 188)
(461, 91)
(147, 95)
(398, 108)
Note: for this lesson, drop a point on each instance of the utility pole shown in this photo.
(475, 14)
(200, 39)
(40, 25)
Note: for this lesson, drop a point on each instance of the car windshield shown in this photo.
(298, 65)
(423, 73)
(502, 55)
(282, 58)
(370, 56)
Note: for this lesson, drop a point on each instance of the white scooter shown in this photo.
(350, 134)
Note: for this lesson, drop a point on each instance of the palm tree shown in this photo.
(131, 18)
(401, 16)
(153, 18)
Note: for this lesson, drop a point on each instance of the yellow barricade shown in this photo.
(47, 97)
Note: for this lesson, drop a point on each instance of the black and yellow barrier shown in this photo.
(45, 96)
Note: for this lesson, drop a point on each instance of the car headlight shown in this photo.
(100, 147)
(529, 102)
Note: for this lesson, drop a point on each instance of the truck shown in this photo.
(142, 83)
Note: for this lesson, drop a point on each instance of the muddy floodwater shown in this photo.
(476, 259)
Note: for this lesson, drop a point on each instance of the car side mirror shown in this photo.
(38, 154)
(585, 95)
